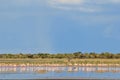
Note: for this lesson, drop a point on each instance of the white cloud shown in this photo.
(70, 5)
(81, 5)
(115, 1)
(66, 1)
(82, 1)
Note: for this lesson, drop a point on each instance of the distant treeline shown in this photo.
(76, 55)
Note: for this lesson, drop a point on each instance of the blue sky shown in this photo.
(59, 26)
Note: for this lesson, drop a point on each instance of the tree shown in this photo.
(77, 54)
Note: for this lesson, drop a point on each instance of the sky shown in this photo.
(59, 26)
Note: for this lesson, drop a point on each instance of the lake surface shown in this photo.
(59, 72)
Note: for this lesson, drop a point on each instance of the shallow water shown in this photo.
(59, 72)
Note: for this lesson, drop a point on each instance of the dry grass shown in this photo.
(61, 61)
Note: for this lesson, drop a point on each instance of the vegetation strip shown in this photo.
(66, 59)
(76, 55)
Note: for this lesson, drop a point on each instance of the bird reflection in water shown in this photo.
(43, 70)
